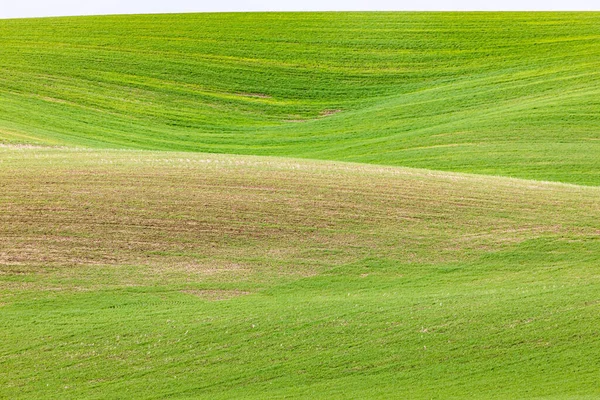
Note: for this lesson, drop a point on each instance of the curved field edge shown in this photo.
(210, 276)
(511, 94)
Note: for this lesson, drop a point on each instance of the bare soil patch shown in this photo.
(326, 113)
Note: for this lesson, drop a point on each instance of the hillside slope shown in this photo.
(176, 275)
(512, 94)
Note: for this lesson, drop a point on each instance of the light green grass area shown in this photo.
(514, 94)
(135, 274)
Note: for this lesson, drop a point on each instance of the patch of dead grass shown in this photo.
(326, 113)
(215, 294)
(202, 217)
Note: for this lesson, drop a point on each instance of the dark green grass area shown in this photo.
(511, 94)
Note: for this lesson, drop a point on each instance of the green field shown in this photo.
(397, 205)
(502, 94)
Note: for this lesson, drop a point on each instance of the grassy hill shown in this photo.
(134, 264)
(174, 275)
(512, 94)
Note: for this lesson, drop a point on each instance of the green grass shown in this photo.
(135, 264)
(176, 275)
(512, 94)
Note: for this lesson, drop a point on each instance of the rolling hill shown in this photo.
(177, 275)
(512, 94)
